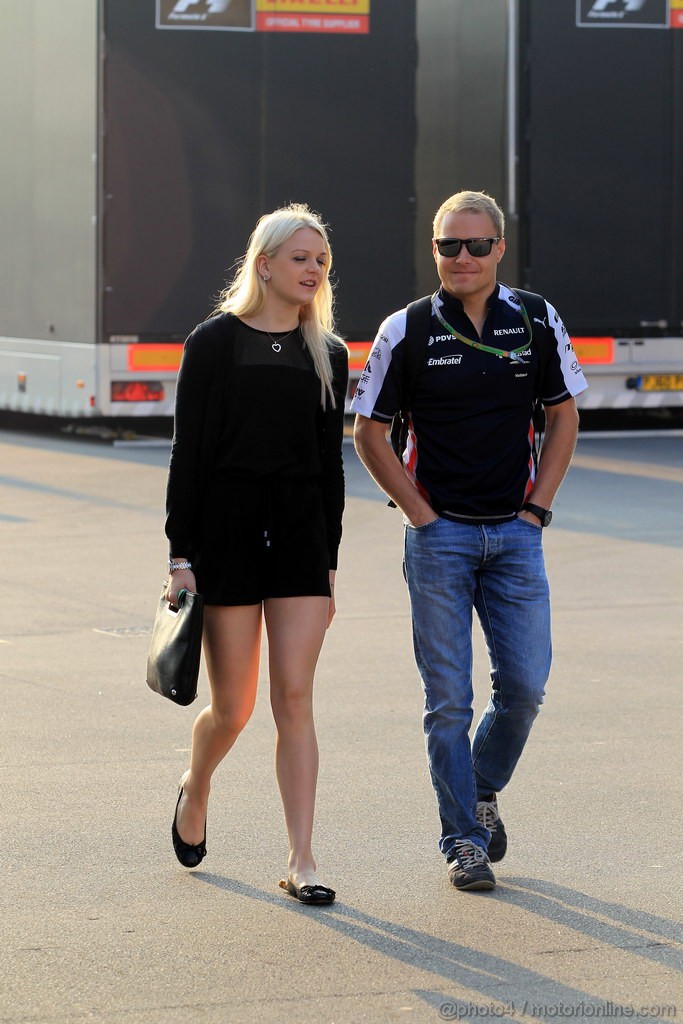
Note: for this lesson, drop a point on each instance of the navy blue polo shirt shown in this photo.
(471, 441)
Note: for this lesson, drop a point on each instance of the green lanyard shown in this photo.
(513, 354)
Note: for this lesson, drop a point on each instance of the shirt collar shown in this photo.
(450, 302)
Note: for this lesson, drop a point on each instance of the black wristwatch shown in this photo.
(544, 514)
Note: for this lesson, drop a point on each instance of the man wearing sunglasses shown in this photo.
(475, 503)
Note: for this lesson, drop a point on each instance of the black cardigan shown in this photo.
(207, 358)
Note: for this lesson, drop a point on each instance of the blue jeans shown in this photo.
(498, 570)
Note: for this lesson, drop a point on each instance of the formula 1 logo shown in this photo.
(217, 14)
(622, 13)
(628, 5)
(212, 6)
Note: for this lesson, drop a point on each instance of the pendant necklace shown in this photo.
(276, 345)
(512, 354)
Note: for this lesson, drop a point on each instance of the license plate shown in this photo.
(661, 382)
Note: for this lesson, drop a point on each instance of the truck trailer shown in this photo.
(142, 139)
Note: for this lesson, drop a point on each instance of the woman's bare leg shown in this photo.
(296, 629)
(232, 643)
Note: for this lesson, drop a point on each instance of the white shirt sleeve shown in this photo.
(378, 393)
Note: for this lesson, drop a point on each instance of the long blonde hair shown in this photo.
(245, 296)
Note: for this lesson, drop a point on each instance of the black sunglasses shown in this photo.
(474, 246)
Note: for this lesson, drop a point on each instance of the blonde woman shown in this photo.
(254, 506)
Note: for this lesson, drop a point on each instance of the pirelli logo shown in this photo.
(348, 16)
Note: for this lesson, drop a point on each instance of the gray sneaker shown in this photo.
(470, 867)
(489, 816)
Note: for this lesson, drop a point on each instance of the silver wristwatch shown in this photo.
(174, 566)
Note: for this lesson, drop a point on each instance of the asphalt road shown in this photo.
(101, 924)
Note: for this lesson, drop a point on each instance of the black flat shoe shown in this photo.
(189, 856)
(308, 893)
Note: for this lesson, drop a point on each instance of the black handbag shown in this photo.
(176, 647)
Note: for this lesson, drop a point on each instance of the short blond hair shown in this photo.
(471, 202)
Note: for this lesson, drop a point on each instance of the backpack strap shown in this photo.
(537, 311)
(418, 328)
(416, 342)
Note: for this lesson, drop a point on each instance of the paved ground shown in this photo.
(100, 923)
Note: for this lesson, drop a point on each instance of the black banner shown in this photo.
(207, 131)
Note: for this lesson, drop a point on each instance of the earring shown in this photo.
(266, 277)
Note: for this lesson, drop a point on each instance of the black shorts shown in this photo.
(262, 539)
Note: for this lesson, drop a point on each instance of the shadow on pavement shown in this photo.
(502, 982)
(611, 923)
